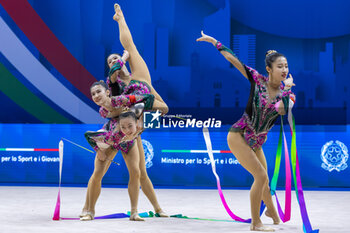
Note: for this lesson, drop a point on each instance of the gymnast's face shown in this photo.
(279, 69)
(112, 59)
(128, 125)
(99, 94)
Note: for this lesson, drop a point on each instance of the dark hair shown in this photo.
(102, 83)
(127, 114)
(271, 56)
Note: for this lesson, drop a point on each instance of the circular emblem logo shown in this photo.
(334, 156)
(149, 152)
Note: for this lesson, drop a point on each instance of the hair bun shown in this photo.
(269, 52)
(125, 109)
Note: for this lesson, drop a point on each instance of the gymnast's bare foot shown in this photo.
(83, 213)
(136, 217)
(261, 227)
(276, 219)
(89, 215)
(161, 213)
(118, 13)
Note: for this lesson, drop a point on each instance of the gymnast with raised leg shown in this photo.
(133, 89)
(268, 99)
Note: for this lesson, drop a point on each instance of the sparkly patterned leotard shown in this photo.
(110, 135)
(260, 113)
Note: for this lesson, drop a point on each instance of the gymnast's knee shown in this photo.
(135, 173)
(261, 177)
(97, 175)
(143, 175)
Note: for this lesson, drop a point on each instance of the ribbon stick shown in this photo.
(212, 161)
(76, 144)
(56, 214)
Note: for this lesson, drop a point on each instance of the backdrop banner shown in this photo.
(174, 157)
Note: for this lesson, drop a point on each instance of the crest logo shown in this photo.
(334, 156)
(149, 152)
(151, 119)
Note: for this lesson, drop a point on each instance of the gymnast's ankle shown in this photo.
(273, 215)
(83, 212)
(161, 213)
(134, 216)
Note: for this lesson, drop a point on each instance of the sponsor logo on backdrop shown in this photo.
(334, 155)
(149, 152)
(153, 120)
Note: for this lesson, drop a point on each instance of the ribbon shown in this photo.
(151, 214)
(203, 219)
(211, 157)
(296, 175)
(56, 214)
(109, 216)
(287, 208)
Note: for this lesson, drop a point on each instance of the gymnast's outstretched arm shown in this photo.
(226, 52)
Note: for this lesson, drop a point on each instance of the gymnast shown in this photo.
(268, 99)
(133, 89)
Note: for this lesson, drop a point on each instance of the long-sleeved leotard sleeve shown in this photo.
(134, 93)
(103, 112)
(129, 100)
(222, 47)
(253, 75)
